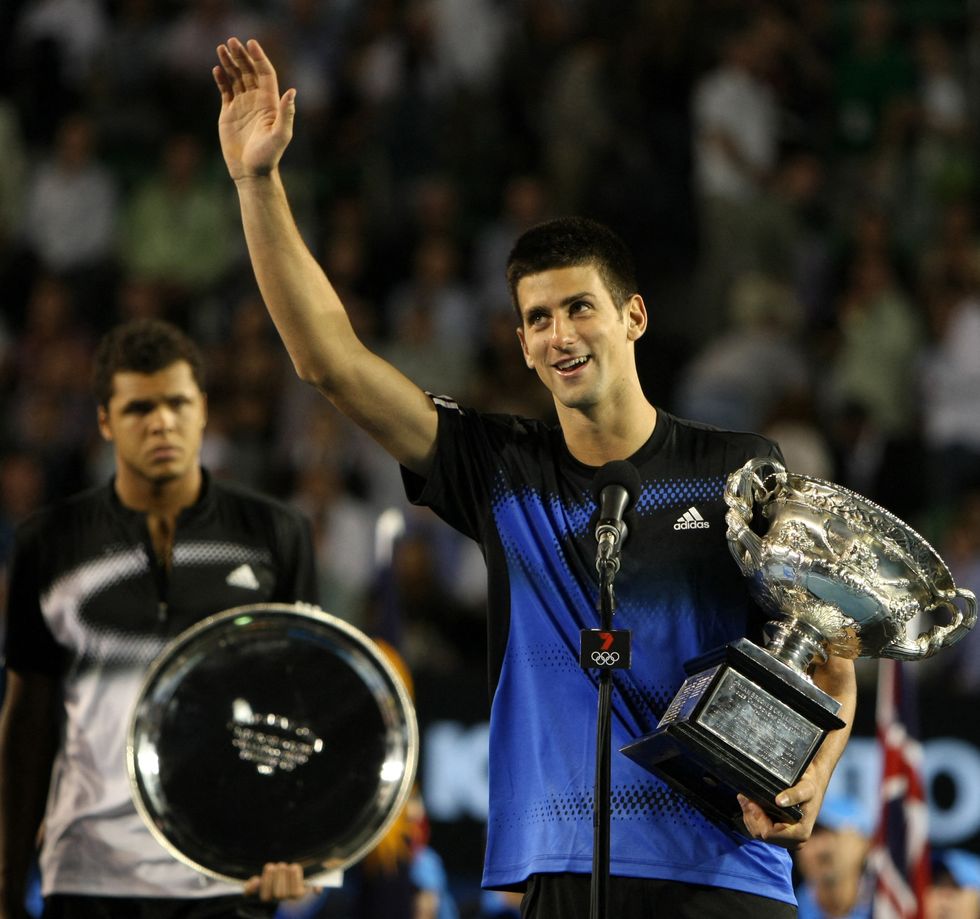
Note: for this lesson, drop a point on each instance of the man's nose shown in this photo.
(162, 418)
(562, 331)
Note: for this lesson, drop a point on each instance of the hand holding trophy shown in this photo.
(842, 577)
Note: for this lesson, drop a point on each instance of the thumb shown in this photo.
(287, 109)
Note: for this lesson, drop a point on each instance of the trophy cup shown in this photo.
(843, 577)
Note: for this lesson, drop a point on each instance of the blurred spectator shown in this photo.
(524, 203)
(942, 167)
(874, 78)
(186, 51)
(77, 27)
(736, 120)
(951, 386)
(792, 232)
(880, 335)
(50, 413)
(248, 367)
(952, 253)
(723, 385)
(832, 864)
(138, 298)
(957, 669)
(469, 38)
(433, 320)
(736, 138)
(419, 599)
(795, 425)
(576, 120)
(343, 538)
(175, 231)
(311, 35)
(500, 904)
(955, 890)
(128, 87)
(499, 381)
(543, 31)
(402, 877)
(12, 176)
(55, 45)
(22, 491)
(71, 203)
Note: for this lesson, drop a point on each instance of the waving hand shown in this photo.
(256, 123)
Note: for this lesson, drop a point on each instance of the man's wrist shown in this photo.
(255, 177)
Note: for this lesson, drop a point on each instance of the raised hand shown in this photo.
(256, 123)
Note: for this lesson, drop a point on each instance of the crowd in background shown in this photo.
(797, 178)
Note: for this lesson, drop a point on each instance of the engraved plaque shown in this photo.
(766, 730)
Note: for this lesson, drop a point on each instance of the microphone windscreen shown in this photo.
(617, 472)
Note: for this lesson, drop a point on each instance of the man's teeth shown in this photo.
(572, 364)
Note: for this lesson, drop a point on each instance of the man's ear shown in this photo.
(636, 317)
(527, 355)
(104, 427)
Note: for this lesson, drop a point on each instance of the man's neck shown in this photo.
(596, 439)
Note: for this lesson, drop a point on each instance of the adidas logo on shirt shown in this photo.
(243, 576)
(691, 520)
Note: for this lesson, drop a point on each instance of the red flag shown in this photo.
(900, 854)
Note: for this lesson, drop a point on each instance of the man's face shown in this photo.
(952, 903)
(575, 338)
(155, 422)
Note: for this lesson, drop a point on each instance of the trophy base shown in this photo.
(742, 722)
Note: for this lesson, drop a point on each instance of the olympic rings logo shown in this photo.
(605, 658)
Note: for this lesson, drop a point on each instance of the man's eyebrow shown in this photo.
(565, 301)
(150, 401)
(136, 404)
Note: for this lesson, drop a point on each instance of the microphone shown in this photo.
(615, 487)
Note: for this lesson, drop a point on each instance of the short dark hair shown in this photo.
(567, 242)
(142, 346)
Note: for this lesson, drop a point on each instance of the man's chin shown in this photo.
(164, 476)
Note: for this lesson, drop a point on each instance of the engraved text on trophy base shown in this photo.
(759, 726)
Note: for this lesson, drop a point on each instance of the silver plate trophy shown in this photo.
(272, 732)
(843, 577)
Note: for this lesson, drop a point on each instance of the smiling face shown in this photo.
(155, 422)
(577, 340)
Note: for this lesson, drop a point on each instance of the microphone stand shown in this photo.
(599, 893)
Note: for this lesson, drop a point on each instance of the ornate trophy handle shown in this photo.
(942, 636)
(742, 493)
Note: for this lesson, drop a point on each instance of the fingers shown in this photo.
(224, 85)
(287, 110)
(245, 65)
(230, 82)
(756, 820)
(244, 61)
(261, 64)
(759, 825)
(278, 881)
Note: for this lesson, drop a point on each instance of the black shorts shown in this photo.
(567, 896)
(70, 906)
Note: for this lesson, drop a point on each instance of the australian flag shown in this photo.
(900, 854)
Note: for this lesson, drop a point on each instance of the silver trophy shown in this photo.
(842, 577)
(271, 732)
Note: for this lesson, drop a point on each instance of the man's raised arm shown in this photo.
(255, 127)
